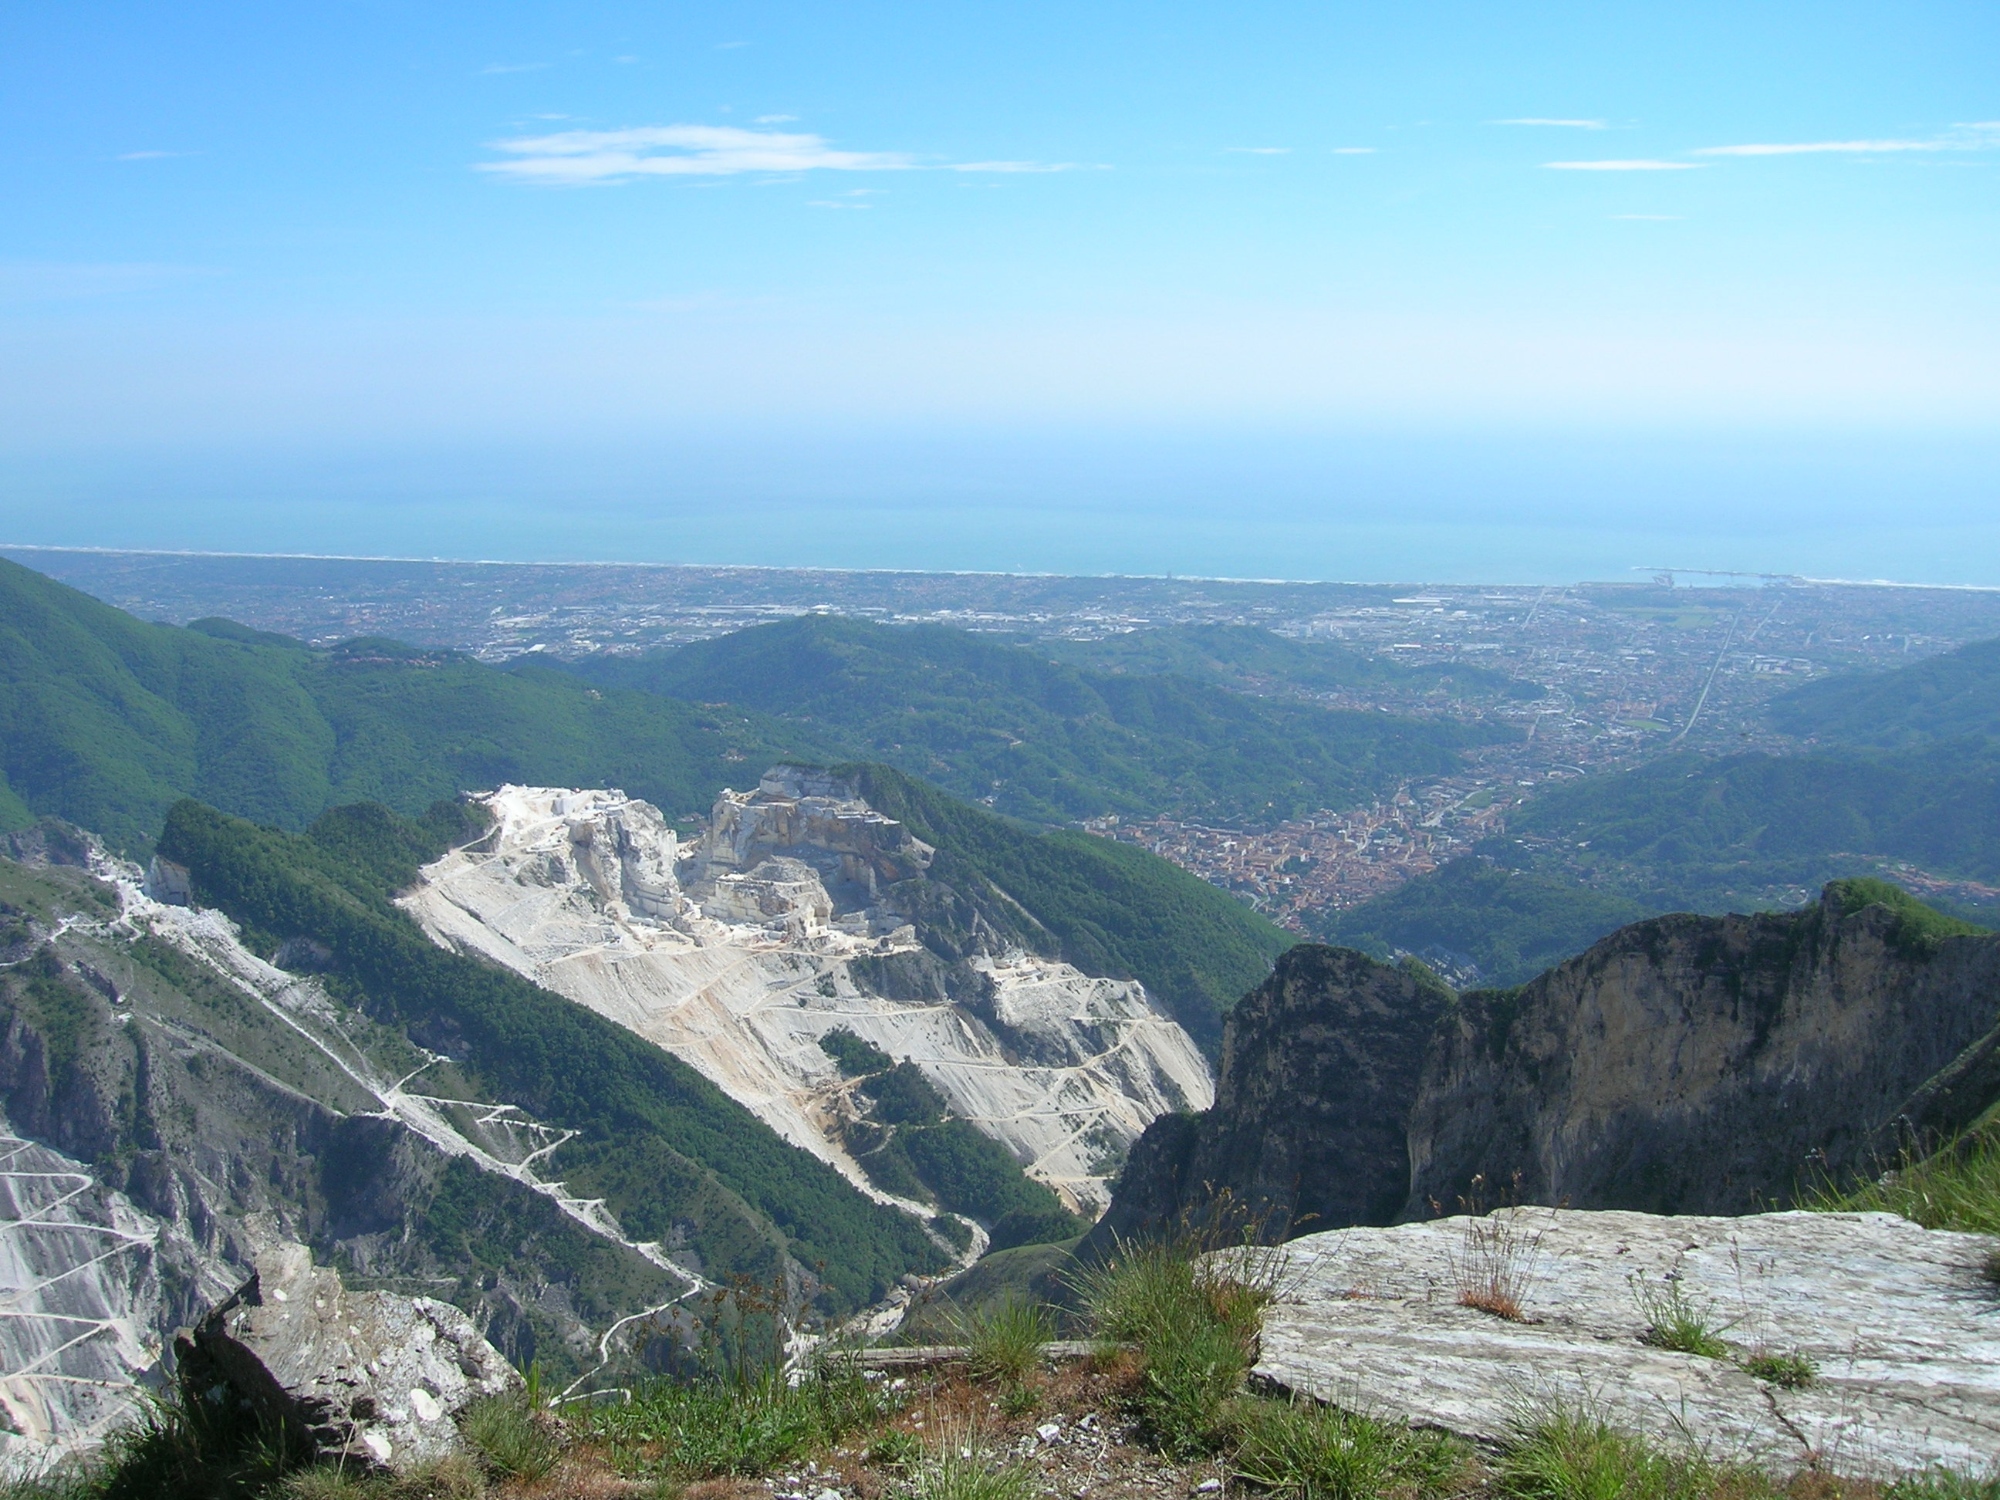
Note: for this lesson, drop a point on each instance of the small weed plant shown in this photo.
(1494, 1265)
(1677, 1320)
(1791, 1372)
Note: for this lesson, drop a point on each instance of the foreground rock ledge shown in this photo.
(371, 1376)
(1900, 1320)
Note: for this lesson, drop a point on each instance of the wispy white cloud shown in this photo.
(775, 119)
(627, 58)
(1626, 164)
(150, 155)
(513, 67)
(1017, 166)
(1258, 150)
(1560, 124)
(1815, 148)
(1978, 135)
(571, 157)
(1353, 150)
(575, 156)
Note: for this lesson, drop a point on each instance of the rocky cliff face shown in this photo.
(803, 910)
(1683, 1065)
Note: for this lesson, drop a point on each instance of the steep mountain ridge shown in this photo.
(1682, 1065)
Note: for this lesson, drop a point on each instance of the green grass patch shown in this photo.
(1955, 1187)
(745, 1428)
(1312, 1452)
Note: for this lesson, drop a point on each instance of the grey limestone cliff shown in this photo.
(1682, 1065)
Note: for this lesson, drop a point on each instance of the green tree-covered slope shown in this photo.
(106, 721)
(1002, 724)
(1705, 835)
(1248, 657)
(1943, 698)
(673, 1157)
(1513, 924)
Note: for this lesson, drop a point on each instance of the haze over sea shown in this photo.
(1447, 292)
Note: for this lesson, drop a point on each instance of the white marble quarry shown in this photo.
(736, 955)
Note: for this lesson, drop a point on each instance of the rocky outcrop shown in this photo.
(796, 914)
(367, 1376)
(1318, 1066)
(1682, 1065)
(1895, 1331)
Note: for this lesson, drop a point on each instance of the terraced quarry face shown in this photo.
(791, 918)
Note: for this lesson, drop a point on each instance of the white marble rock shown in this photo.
(1901, 1321)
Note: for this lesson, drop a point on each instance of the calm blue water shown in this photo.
(1500, 507)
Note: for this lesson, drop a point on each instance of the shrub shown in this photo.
(1957, 1186)
(959, 1467)
(744, 1428)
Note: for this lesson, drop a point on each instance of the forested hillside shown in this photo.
(1511, 924)
(1943, 698)
(106, 721)
(1003, 724)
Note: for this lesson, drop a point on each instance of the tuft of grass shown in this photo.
(1495, 1266)
(714, 1429)
(513, 1438)
(1791, 1372)
(1569, 1456)
(1957, 1186)
(1305, 1451)
(959, 1466)
(1195, 1319)
(1677, 1321)
(1006, 1343)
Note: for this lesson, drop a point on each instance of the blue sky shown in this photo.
(1335, 290)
